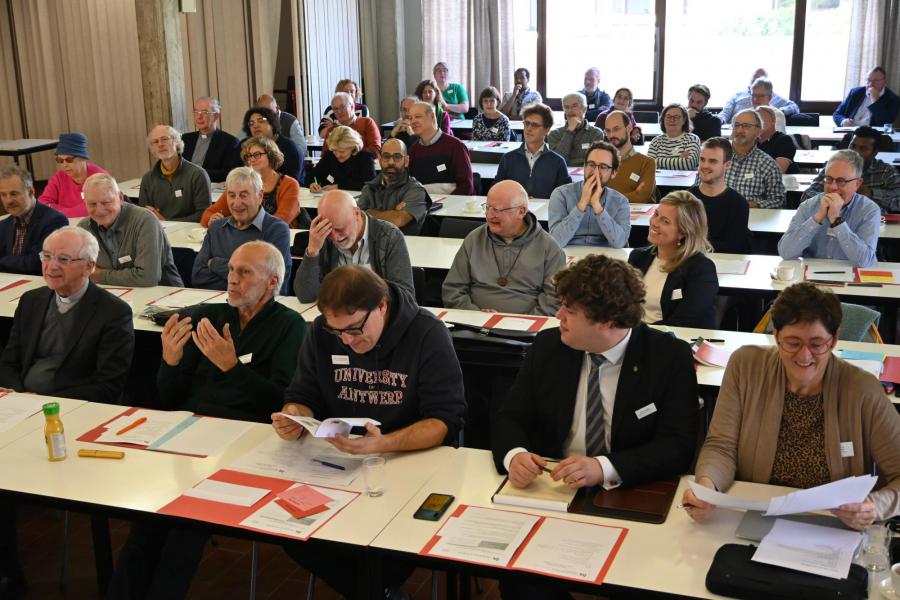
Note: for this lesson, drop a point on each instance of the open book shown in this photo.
(332, 426)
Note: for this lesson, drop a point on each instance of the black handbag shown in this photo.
(490, 346)
(735, 575)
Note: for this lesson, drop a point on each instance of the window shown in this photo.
(709, 42)
(825, 49)
(616, 36)
(525, 32)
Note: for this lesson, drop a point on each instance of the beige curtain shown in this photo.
(10, 117)
(874, 40)
(384, 54)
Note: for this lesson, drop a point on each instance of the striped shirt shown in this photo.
(667, 152)
(756, 177)
(881, 178)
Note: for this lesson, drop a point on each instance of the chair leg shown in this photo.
(64, 567)
(478, 587)
(311, 588)
(434, 584)
(254, 567)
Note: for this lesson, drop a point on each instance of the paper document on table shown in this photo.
(158, 423)
(513, 323)
(571, 549)
(829, 273)
(332, 426)
(726, 500)
(15, 408)
(182, 298)
(272, 518)
(823, 497)
(731, 266)
(542, 493)
(296, 461)
(207, 436)
(875, 367)
(227, 493)
(466, 317)
(809, 548)
(171, 224)
(879, 275)
(483, 536)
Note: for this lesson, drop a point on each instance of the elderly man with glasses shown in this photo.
(175, 189)
(753, 174)
(871, 104)
(572, 141)
(839, 223)
(211, 147)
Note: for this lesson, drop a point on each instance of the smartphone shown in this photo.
(434, 507)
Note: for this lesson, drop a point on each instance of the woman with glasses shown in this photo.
(793, 414)
(490, 124)
(264, 122)
(677, 148)
(345, 166)
(281, 193)
(63, 191)
(681, 280)
(428, 91)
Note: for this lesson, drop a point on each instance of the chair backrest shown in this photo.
(419, 284)
(802, 141)
(457, 228)
(858, 324)
(803, 119)
(646, 116)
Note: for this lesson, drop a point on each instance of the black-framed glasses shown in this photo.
(255, 155)
(351, 331)
(532, 125)
(840, 181)
(816, 346)
(591, 165)
(63, 260)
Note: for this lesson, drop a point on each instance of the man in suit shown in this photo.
(70, 338)
(209, 147)
(616, 400)
(872, 104)
(29, 222)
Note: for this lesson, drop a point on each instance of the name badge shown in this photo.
(748, 175)
(634, 177)
(330, 179)
(246, 358)
(82, 195)
(441, 168)
(831, 232)
(340, 359)
(590, 106)
(585, 146)
(846, 449)
(178, 193)
(677, 295)
(124, 259)
(495, 130)
(647, 410)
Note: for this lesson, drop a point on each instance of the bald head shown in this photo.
(267, 101)
(507, 205)
(340, 210)
(510, 191)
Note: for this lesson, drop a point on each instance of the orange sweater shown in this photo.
(367, 130)
(287, 200)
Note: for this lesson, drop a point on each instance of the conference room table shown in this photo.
(817, 157)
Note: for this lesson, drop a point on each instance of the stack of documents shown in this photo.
(872, 362)
(809, 548)
(542, 493)
(15, 408)
(710, 354)
(309, 460)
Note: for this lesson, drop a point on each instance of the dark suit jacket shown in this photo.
(44, 221)
(699, 285)
(98, 353)
(222, 155)
(657, 368)
(883, 111)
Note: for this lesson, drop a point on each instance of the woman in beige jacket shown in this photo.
(796, 415)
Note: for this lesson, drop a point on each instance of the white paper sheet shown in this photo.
(182, 298)
(271, 518)
(15, 408)
(809, 548)
(332, 426)
(294, 461)
(731, 266)
(484, 536)
(514, 323)
(569, 549)
(159, 422)
(227, 493)
(823, 497)
(208, 436)
(829, 273)
(726, 500)
(466, 317)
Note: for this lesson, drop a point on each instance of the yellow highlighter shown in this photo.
(101, 454)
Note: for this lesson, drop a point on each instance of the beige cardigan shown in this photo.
(743, 434)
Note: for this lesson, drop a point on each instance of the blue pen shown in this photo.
(328, 464)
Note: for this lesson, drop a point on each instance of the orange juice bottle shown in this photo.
(54, 434)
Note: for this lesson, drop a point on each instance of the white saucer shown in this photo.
(775, 279)
(473, 212)
(887, 590)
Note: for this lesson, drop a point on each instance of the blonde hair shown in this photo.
(344, 138)
(691, 226)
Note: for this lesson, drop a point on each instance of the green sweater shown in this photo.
(254, 388)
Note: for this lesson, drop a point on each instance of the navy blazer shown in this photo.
(44, 221)
(883, 111)
(657, 369)
(697, 282)
(221, 157)
(98, 352)
(549, 171)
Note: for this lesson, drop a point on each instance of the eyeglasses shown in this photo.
(760, 96)
(62, 260)
(745, 125)
(495, 210)
(816, 346)
(589, 166)
(571, 106)
(392, 157)
(840, 181)
(351, 331)
(162, 140)
(65, 159)
(675, 117)
(200, 113)
(255, 155)
(258, 121)
(532, 125)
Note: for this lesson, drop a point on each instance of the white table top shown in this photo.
(819, 156)
(24, 144)
(35, 423)
(664, 177)
(455, 206)
(673, 557)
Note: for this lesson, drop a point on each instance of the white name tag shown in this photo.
(246, 358)
(647, 410)
(748, 175)
(340, 359)
(677, 295)
(586, 146)
(441, 168)
(831, 232)
(846, 449)
(634, 177)
(590, 106)
(495, 130)
(178, 193)
(330, 179)
(124, 259)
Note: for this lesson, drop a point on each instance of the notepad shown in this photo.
(227, 493)
(542, 493)
(878, 276)
(710, 355)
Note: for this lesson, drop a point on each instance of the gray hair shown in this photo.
(749, 111)
(347, 98)
(582, 99)
(173, 133)
(412, 97)
(429, 108)
(762, 82)
(90, 249)
(594, 70)
(214, 105)
(851, 157)
(777, 116)
(244, 174)
(13, 170)
(103, 180)
(274, 264)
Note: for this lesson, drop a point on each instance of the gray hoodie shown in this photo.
(528, 262)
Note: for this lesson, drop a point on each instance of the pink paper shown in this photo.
(304, 497)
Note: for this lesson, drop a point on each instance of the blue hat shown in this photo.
(72, 144)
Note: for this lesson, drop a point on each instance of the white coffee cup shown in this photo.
(895, 577)
(784, 273)
(473, 206)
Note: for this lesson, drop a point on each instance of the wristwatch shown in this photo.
(836, 222)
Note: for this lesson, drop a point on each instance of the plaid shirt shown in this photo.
(757, 178)
(21, 229)
(880, 177)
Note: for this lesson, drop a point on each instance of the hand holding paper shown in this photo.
(330, 427)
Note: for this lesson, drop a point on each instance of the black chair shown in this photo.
(646, 116)
(471, 113)
(458, 228)
(420, 285)
(803, 119)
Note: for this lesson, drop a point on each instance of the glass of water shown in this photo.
(374, 474)
(876, 542)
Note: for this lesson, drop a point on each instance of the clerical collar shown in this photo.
(65, 304)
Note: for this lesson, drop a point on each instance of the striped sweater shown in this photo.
(667, 152)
